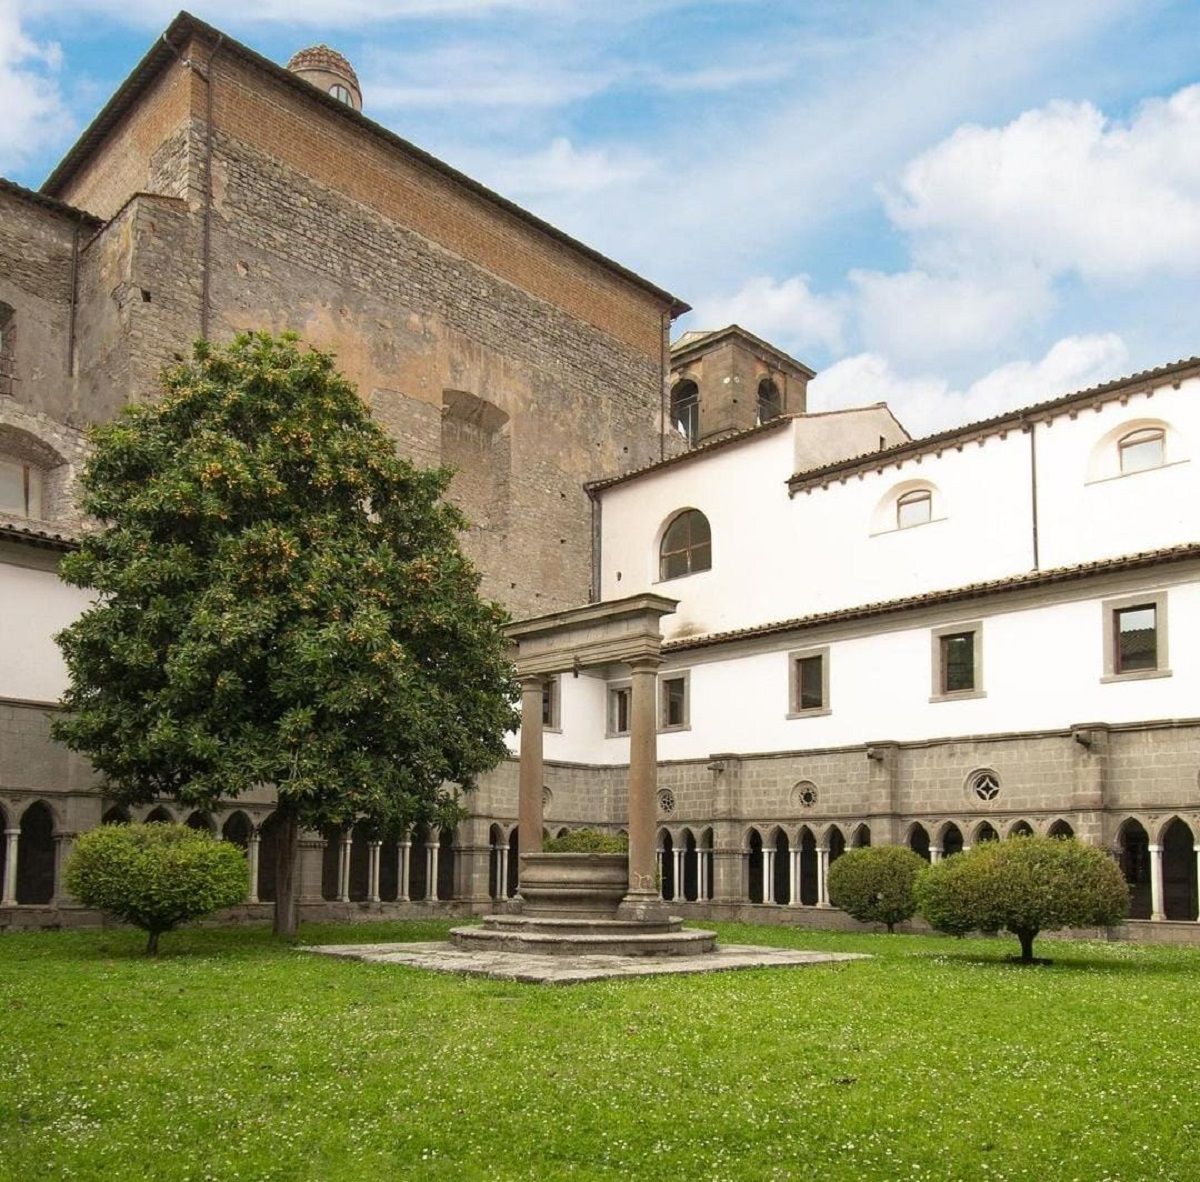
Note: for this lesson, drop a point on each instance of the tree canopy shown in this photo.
(876, 884)
(282, 601)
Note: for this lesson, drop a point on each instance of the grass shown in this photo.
(233, 1057)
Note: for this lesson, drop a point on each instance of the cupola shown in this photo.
(327, 70)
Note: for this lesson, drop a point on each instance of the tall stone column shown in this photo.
(12, 838)
(1156, 883)
(642, 901)
(531, 778)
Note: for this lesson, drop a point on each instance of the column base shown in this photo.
(643, 907)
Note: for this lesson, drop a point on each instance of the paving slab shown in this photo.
(572, 970)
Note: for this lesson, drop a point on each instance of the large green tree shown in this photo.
(281, 601)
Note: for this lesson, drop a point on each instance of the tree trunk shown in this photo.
(1026, 937)
(287, 909)
(891, 928)
(152, 943)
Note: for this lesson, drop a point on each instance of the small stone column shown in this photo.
(373, 849)
(344, 866)
(403, 850)
(659, 871)
(432, 849)
(1156, 883)
(642, 901)
(935, 854)
(252, 864)
(768, 876)
(822, 876)
(680, 866)
(1196, 853)
(12, 838)
(793, 878)
(502, 893)
(531, 775)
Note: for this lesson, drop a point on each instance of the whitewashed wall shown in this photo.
(34, 605)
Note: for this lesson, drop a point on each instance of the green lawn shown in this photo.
(234, 1057)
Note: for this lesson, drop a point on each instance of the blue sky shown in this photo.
(956, 207)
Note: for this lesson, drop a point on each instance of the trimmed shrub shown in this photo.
(587, 841)
(1024, 885)
(876, 884)
(155, 876)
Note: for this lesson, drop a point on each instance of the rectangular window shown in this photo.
(810, 682)
(550, 704)
(1135, 637)
(957, 662)
(673, 704)
(620, 701)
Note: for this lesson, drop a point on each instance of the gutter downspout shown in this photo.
(1033, 492)
(594, 589)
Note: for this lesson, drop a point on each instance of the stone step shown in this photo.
(606, 943)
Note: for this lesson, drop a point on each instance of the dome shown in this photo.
(329, 71)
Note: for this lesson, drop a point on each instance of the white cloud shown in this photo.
(925, 404)
(561, 168)
(32, 107)
(918, 317)
(787, 313)
(1062, 188)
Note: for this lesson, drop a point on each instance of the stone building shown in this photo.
(822, 681)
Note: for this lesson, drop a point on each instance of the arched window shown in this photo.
(342, 95)
(685, 409)
(1142, 449)
(770, 401)
(686, 545)
(914, 508)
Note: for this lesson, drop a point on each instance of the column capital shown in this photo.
(533, 681)
(644, 663)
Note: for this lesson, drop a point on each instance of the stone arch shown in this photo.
(477, 444)
(200, 820)
(806, 884)
(683, 545)
(32, 470)
(237, 829)
(904, 502)
(1133, 844)
(563, 832)
(159, 815)
(666, 863)
(917, 840)
(1105, 459)
(861, 837)
(835, 843)
(685, 409)
(769, 403)
(984, 831)
(691, 866)
(754, 866)
(1020, 828)
(1178, 869)
(950, 838)
(781, 877)
(1060, 828)
(35, 854)
(116, 814)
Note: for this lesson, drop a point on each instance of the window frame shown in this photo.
(552, 686)
(776, 406)
(691, 403)
(938, 692)
(345, 90)
(33, 489)
(612, 689)
(663, 576)
(912, 497)
(1110, 608)
(1129, 440)
(795, 710)
(680, 675)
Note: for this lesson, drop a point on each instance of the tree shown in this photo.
(155, 876)
(1024, 885)
(876, 884)
(282, 601)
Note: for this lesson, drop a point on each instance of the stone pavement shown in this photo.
(571, 970)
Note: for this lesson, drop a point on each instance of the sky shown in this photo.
(954, 207)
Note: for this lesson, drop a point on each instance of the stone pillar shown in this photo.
(63, 843)
(935, 854)
(1196, 853)
(768, 876)
(680, 867)
(252, 865)
(502, 893)
(403, 850)
(659, 876)
(312, 849)
(793, 878)
(12, 838)
(344, 866)
(822, 876)
(373, 849)
(642, 901)
(1156, 883)
(432, 849)
(531, 777)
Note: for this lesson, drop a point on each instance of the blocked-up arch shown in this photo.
(1128, 447)
(907, 503)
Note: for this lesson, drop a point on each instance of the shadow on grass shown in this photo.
(1063, 956)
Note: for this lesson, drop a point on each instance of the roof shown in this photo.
(1062, 574)
(1011, 420)
(321, 57)
(47, 202)
(703, 449)
(701, 340)
(31, 535)
(163, 52)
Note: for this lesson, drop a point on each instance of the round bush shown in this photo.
(155, 876)
(876, 884)
(587, 841)
(1024, 885)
